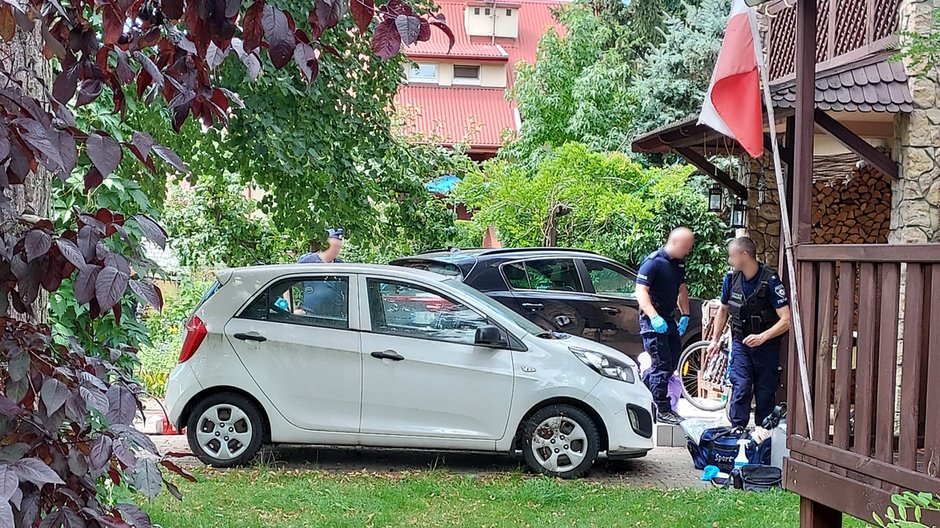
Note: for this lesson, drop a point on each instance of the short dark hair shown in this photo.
(745, 245)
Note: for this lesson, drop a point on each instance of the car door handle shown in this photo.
(533, 306)
(388, 354)
(250, 336)
(610, 310)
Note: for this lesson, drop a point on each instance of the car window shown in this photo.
(520, 321)
(441, 268)
(608, 279)
(310, 301)
(411, 311)
(547, 274)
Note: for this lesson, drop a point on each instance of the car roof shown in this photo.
(267, 272)
(506, 252)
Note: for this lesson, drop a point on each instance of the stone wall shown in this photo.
(915, 208)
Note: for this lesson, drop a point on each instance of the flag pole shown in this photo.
(787, 244)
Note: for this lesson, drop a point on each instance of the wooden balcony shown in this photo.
(847, 31)
(872, 335)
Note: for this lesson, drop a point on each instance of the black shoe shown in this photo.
(668, 417)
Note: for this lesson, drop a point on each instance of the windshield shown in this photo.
(520, 321)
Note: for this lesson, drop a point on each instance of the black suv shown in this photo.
(567, 290)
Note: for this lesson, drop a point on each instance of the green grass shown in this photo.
(263, 497)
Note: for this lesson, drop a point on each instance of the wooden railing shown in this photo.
(846, 31)
(871, 317)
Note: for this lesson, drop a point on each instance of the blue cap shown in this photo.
(334, 233)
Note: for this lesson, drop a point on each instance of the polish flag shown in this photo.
(733, 102)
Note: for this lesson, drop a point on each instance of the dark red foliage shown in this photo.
(65, 421)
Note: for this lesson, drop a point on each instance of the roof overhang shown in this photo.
(458, 56)
(874, 85)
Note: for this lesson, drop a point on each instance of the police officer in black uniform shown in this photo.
(760, 314)
(660, 289)
(325, 297)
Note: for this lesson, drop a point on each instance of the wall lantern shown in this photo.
(738, 215)
(714, 198)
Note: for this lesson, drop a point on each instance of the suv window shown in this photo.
(609, 279)
(546, 274)
(411, 311)
(311, 301)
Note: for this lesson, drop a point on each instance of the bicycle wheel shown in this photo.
(702, 376)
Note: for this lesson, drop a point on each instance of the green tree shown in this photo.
(616, 208)
(673, 78)
(578, 88)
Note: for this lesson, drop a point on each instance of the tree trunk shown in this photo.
(22, 62)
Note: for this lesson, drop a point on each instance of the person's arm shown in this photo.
(782, 326)
(645, 300)
(683, 299)
(718, 324)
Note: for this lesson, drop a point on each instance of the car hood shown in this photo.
(562, 345)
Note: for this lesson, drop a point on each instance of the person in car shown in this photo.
(322, 297)
(760, 314)
(660, 289)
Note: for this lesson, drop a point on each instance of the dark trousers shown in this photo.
(664, 351)
(754, 374)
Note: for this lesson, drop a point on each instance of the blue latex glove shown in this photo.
(683, 324)
(659, 324)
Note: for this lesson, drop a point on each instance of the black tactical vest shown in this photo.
(754, 314)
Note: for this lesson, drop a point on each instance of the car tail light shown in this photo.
(195, 333)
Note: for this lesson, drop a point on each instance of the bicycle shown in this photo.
(706, 376)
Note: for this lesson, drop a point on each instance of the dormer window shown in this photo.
(486, 11)
(476, 10)
(423, 72)
(483, 19)
(466, 74)
(509, 12)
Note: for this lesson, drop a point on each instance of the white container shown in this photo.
(778, 446)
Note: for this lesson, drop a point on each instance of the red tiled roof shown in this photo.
(448, 113)
(535, 18)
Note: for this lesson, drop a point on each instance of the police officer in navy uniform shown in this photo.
(660, 289)
(757, 303)
(323, 297)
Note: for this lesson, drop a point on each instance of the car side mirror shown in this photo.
(489, 336)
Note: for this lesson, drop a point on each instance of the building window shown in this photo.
(466, 74)
(486, 11)
(423, 72)
(476, 10)
(509, 12)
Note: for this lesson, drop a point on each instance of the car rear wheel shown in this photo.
(560, 441)
(225, 430)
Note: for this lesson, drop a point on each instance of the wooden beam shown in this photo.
(785, 155)
(897, 253)
(714, 172)
(805, 69)
(853, 142)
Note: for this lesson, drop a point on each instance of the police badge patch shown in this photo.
(780, 291)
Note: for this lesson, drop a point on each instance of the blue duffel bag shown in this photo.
(718, 446)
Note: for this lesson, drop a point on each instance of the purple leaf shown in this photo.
(89, 91)
(173, 9)
(110, 287)
(65, 85)
(147, 292)
(173, 490)
(88, 237)
(95, 399)
(252, 29)
(447, 31)
(100, 455)
(13, 452)
(144, 142)
(386, 42)
(147, 478)
(124, 455)
(37, 244)
(6, 515)
(104, 152)
(362, 11)
(36, 471)
(53, 394)
(408, 28)
(306, 60)
(170, 157)
(84, 286)
(68, 152)
(37, 137)
(136, 437)
(279, 35)
(134, 515)
(151, 229)
(18, 365)
(150, 68)
(329, 12)
(9, 483)
(71, 252)
(122, 405)
(9, 408)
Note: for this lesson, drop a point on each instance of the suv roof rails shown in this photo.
(500, 251)
(450, 249)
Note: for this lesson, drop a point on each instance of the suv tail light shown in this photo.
(195, 333)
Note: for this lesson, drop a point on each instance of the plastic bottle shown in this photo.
(741, 460)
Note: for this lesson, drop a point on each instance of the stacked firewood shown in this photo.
(853, 209)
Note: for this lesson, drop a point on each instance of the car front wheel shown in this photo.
(225, 430)
(560, 441)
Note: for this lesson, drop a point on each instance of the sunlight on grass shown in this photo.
(265, 497)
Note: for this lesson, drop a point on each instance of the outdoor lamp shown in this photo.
(738, 215)
(714, 198)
